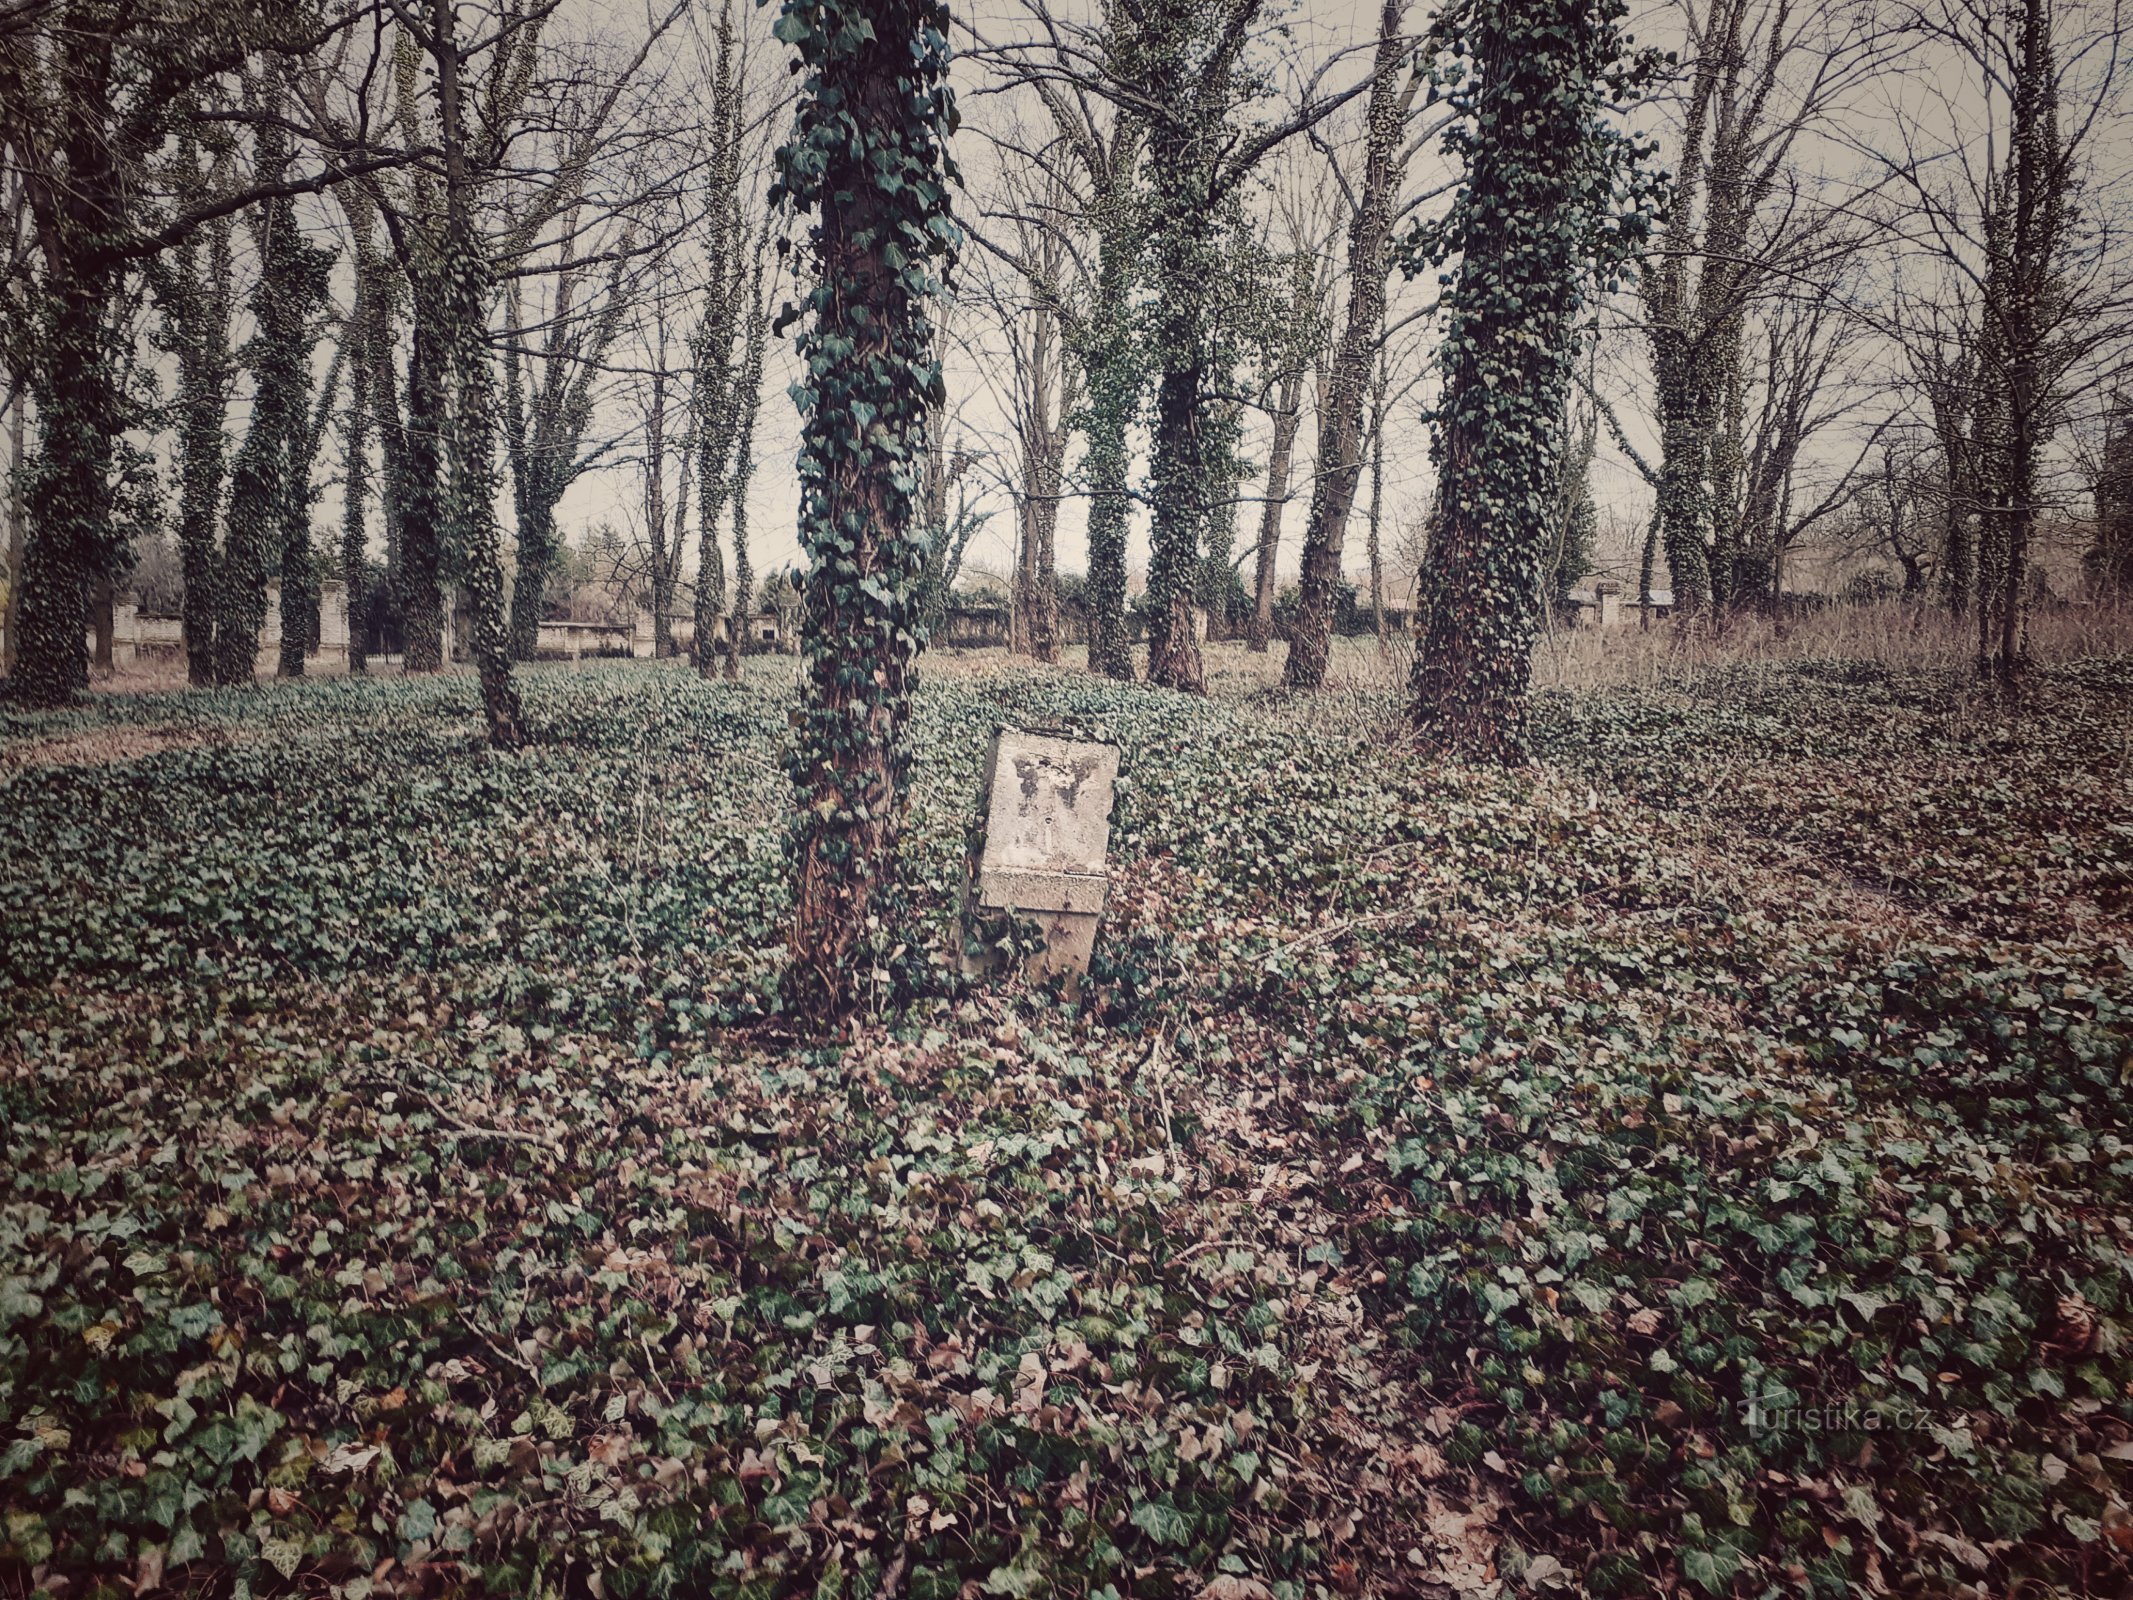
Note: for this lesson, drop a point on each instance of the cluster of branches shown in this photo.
(438, 230)
(1187, 231)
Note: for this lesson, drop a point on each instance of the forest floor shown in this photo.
(1700, 1161)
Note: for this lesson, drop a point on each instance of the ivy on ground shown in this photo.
(1700, 1163)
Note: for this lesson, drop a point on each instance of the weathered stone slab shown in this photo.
(1047, 801)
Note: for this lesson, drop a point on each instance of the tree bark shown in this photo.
(1510, 321)
(463, 296)
(1115, 378)
(1177, 494)
(355, 479)
(1280, 460)
(1340, 428)
(866, 155)
(70, 508)
(422, 510)
(17, 523)
(1377, 510)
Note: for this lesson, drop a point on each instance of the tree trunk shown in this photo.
(1281, 452)
(421, 500)
(70, 506)
(529, 581)
(1114, 379)
(195, 300)
(17, 525)
(748, 401)
(1377, 509)
(1177, 494)
(1510, 333)
(299, 582)
(101, 622)
(1340, 427)
(866, 153)
(464, 298)
(355, 479)
(655, 498)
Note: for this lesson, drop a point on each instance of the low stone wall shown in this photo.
(573, 641)
(974, 628)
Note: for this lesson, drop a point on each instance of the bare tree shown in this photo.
(1762, 75)
(2006, 222)
(1298, 343)
(95, 94)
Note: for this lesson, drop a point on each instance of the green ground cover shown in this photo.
(1700, 1161)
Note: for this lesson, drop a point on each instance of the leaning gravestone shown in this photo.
(1047, 807)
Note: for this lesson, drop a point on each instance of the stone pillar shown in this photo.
(125, 636)
(333, 625)
(266, 661)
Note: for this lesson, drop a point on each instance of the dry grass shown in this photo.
(1361, 671)
(1887, 635)
(108, 747)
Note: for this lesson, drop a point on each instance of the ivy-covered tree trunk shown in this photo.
(271, 474)
(301, 591)
(1115, 373)
(543, 432)
(476, 536)
(867, 155)
(1541, 179)
(1177, 500)
(300, 595)
(720, 357)
(1225, 481)
(2035, 189)
(17, 525)
(355, 478)
(194, 296)
(538, 545)
(462, 298)
(392, 435)
(1280, 462)
(748, 403)
(1181, 470)
(421, 495)
(1340, 415)
(68, 480)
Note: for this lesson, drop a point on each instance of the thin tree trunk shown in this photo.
(422, 510)
(1114, 379)
(655, 499)
(17, 522)
(1377, 507)
(1281, 453)
(1340, 426)
(355, 481)
(748, 402)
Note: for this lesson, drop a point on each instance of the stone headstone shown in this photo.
(1047, 802)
